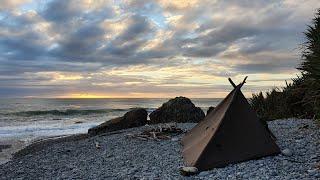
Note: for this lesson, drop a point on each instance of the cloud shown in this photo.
(79, 44)
(12, 4)
(127, 43)
(65, 11)
(192, 42)
(60, 11)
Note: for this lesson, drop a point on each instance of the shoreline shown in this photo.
(41, 143)
(76, 156)
(12, 149)
(48, 141)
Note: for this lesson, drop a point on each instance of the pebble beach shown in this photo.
(120, 157)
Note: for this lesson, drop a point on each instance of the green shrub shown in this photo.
(301, 98)
(280, 103)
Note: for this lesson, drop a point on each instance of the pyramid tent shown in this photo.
(231, 133)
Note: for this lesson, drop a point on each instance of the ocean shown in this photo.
(26, 120)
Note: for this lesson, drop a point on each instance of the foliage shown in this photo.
(282, 103)
(301, 98)
(310, 65)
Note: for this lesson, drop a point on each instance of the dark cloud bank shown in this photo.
(74, 36)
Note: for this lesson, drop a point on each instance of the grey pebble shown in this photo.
(204, 173)
(312, 171)
(286, 152)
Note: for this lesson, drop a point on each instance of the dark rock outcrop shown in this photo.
(211, 108)
(134, 118)
(179, 109)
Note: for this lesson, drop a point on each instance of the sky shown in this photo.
(148, 48)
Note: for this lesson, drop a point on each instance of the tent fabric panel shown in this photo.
(240, 137)
(195, 141)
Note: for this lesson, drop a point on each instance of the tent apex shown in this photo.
(232, 83)
(241, 84)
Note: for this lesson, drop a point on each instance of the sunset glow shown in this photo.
(107, 49)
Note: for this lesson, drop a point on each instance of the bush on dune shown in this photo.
(301, 98)
(283, 102)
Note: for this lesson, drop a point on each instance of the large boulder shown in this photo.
(134, 118)
(179, 109)
(211, 108)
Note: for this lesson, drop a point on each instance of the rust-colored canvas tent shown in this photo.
(229, 134)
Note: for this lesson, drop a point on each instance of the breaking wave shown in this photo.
(67, 112)
(70, 112)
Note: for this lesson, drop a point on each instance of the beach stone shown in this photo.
(179, 109)
(174, 139)
(245, 176)
(204, 173)
(188, 171)
(273, 173)
(312, 171)
(134, 118)
(286, 152)
(315, 157)
(211, 108)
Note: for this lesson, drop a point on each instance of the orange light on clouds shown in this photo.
(141, 95)
(84, 96)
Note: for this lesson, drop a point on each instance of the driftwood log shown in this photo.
(160, 133)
